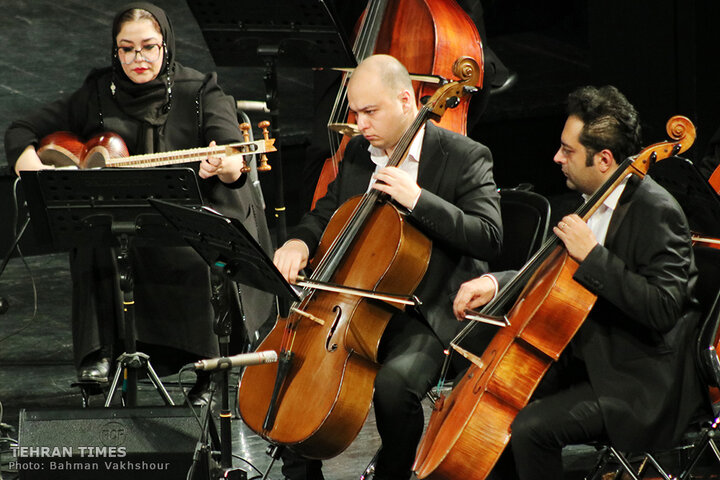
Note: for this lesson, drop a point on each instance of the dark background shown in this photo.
(662, 54)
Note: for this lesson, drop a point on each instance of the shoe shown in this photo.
(199, 399)
(94, 371)
(199, 394)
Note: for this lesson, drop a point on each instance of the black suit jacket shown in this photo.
(458, 209)
(639, 338)
(639, 341)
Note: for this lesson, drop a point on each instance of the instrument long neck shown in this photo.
(510, 291)
(166, 158)
(327, 266)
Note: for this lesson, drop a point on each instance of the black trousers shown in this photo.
(565, 411)
(411, 358)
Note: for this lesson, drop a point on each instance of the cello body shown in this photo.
(324, 407)
(542, 323)
(316, 398)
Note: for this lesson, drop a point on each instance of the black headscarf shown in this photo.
(149, 102)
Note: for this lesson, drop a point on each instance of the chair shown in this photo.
(698, 438)
(526, 220)
(708, 292)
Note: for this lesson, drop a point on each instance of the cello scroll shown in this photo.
(681, 130)
(467, 70)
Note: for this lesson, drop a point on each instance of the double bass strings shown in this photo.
(363, 47)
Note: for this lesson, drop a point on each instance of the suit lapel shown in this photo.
(621, 209)
(432, 159)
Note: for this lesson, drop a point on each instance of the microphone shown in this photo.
(244, 359)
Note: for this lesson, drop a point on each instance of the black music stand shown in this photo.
(230, 250)
(109, 208)
(701, 204)
(295, 33)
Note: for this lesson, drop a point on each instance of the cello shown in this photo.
(328, 345)
(469, 429)
(424, 35)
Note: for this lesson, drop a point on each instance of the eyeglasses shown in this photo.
(148, 53)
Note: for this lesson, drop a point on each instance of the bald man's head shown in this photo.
(381, 95)
(390, 73)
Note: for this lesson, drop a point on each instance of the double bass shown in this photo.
(469, 429)
(424, 35)
(316, 398)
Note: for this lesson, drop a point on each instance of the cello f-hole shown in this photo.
(331, 346)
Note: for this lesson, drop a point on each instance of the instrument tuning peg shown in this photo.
(452, 102)
(245, 127)
(264, 165)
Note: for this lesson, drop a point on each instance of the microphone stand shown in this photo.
(223, 292)
(4, 304)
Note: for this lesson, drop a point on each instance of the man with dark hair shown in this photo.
(628, 374)
(610, 121)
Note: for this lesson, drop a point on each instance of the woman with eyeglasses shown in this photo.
(155, 104)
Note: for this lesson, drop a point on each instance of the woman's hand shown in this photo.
(29, 160)
(227, 169)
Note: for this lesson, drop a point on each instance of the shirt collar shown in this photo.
(377, 155)
(612, 200)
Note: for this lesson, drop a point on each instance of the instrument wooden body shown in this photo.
(470, 428)
(424, 35)
(318, 395)
(714, 180)
(477, 416)
(107, 149)
(328, 391)
(427, 36)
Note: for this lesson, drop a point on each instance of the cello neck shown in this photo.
(367, 204)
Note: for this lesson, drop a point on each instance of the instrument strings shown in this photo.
(363, 47)
(362, 211)
(512, 289)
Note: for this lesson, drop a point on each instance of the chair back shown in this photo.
(707, 291)
(526, 219)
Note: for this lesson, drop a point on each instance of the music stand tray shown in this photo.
(109, 208)
(226, 245)
(224, 241)
(701, 204)
(306, 33)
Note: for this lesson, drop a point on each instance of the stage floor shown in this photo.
(36, 373)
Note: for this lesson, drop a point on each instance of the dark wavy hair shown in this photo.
(610, 121)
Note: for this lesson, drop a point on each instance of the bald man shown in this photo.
(446, 187)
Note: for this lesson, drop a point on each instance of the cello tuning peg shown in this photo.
(264, 165)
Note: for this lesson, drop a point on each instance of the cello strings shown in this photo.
(362, 211)
(510, 290)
